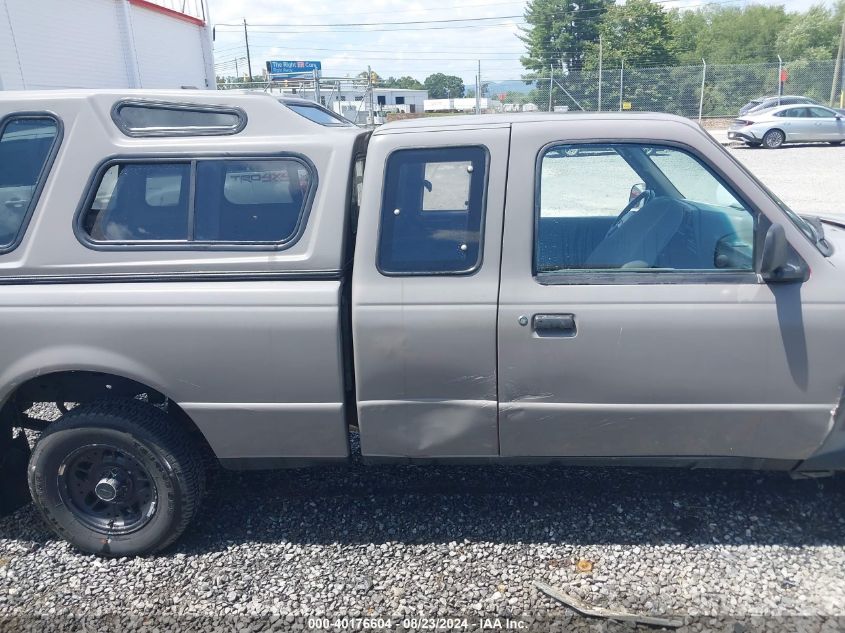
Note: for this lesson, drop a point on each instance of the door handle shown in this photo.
(554, 324)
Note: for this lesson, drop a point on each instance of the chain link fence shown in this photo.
(672, 89)
(706, 90)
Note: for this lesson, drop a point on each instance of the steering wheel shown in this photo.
(644, 197)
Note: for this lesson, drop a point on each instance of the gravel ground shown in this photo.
(809, 178)
(723, 550)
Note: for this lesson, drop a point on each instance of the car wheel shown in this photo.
(773, 139)
(116, 478)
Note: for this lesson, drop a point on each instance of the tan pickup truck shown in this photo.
(201, 277)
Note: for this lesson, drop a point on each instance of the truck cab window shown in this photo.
(432, 211)
(637, 208)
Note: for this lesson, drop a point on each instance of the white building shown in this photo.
(105, 44)
(466, 104)
(354, 104)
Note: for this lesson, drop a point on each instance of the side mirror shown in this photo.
(636, 190)
(775, 264)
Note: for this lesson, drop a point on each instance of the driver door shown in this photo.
(648, 335)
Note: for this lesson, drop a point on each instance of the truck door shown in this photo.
(425, 290)
(631, 320)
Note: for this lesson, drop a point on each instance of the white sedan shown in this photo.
(790, 124)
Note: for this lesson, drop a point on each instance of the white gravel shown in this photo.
(809, 178)
(710, 546)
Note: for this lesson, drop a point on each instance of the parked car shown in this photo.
(789, 124)
(200, 278)
(764, 103)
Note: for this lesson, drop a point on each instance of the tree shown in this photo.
(639, 31)
(730, 35)
(810, 35)
(559, 31)
(374, 75)
(406, 83)
(442, 86)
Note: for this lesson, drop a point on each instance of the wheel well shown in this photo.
(81, 387)
(775, 129)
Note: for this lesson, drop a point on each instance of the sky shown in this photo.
(280, 30)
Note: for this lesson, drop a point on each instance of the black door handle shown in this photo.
(554, 324)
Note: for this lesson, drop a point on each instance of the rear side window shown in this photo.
(250, 201)
(210, 201)
(27, 144)
(141, 202)
(433, 211)
(142, 118)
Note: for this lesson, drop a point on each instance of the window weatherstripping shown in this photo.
(157, 118)
(638, 213)
(210, 203)
(29, 142)
(433, 208)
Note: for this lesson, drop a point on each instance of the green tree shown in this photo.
(639, 31)
(730, 35)
(810, 35)
(406, 83)
(442, 86)
(559, 31)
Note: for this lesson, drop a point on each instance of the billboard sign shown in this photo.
(287, 69)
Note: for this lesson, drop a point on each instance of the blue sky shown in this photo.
(417, 49)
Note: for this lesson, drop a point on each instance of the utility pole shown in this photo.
(478, 89)
(237, 74)
(598, 109)
(248, 58)
(370, 90)
(838, 81)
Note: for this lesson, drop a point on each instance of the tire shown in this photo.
(116, 478)
(773, 139)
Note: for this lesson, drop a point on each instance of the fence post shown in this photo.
(551, 84)
(780, 78)
(701, 99)
(621, 83)
(598, 109)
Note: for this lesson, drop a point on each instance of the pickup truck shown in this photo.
(198, 278)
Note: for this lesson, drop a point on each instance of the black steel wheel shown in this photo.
(117, 478)
(107, 489)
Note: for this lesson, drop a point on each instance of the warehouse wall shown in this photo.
(99, 44)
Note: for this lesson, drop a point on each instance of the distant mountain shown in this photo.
(498, 87)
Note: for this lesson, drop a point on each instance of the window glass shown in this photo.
(797, 113)
(320, 115)
(821, 113)
(139, 202)
(446, 186)
(166, 120)
(432, 211)
(250, 201)
(637, 208)
(25, 147)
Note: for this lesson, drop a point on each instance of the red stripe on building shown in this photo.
(169, 12)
